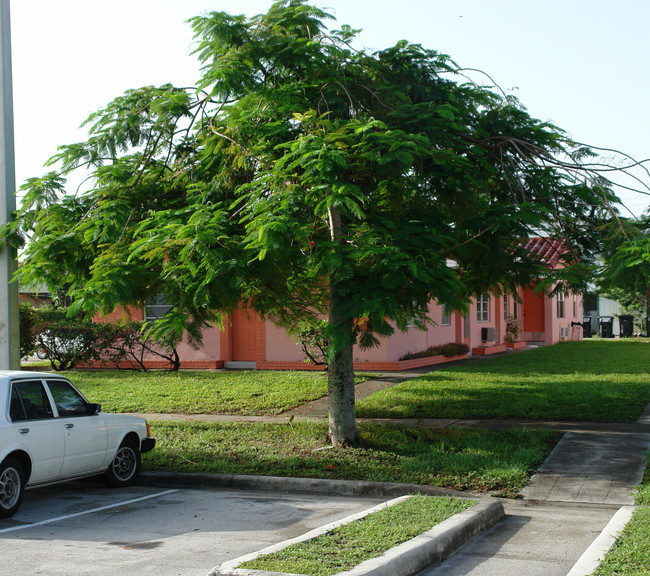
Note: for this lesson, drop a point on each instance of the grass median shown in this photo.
(349, 545)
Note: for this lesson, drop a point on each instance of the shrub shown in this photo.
(71, 341)
(128, 344)
(450, 349)
(28, 319)
(67, 343)
(512, 330)
(313, 341)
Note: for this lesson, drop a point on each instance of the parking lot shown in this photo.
(84, 528)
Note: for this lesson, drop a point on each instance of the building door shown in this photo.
(534, 325)
(244, 326)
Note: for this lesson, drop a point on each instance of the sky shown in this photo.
(581, 64)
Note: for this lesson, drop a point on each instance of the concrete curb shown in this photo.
(406, 559)
(307, 485)
(594, 555)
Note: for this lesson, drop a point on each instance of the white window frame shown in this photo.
(483, 308)
(560, 304)
(446, 317)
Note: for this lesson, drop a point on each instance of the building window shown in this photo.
(506, 307)
(156, 308)
(575, 305)
(446, 316)
(560, 304)
(483, 308)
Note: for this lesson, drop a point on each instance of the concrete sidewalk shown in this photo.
(571, 500)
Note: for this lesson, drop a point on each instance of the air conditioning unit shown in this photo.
(489, 334)
(564, 332)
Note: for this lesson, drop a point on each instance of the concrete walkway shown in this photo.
(567, 506)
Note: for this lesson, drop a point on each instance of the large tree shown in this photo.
(304, 178)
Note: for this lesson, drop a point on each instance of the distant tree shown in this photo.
(304, 177)
(625, 272)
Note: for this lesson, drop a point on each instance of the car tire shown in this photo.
(12, 487)
(125, 467)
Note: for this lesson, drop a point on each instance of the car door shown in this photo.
(36, 430)
(85, 435)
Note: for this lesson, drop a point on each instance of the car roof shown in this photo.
(13, 374)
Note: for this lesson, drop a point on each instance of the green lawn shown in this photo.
(600, 381)
(597, 380)
(499, 463)
(201, 392)
(593, 381)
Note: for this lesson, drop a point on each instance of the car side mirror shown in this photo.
(94, 409)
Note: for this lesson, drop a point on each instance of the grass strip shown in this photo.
(349, 545)
(630, 556)
(599, 381)
(482, 461)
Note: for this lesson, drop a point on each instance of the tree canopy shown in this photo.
(304, 177)
(624, 274)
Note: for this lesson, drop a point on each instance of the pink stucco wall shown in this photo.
(572, 313)
(210, 350)
(280, 347)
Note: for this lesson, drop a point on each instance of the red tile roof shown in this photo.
(548, 250)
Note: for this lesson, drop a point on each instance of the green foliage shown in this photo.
(349, 545)
(27, 317)
(66, 342)
(304, 177)
(69, 340)
(450, 349)
(625, 273)
(312, 339)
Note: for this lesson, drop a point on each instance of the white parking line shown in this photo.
(93, 510)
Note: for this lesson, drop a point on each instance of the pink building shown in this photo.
(247, 341)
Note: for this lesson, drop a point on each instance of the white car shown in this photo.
(50, 433)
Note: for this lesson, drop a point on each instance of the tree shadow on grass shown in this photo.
(468, 393)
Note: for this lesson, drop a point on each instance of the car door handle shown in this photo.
(23, 430)
(69, 426)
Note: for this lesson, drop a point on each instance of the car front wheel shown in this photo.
(125, 467)
(12, 487)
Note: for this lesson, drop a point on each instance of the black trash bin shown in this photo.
(626, 325)
(586, 326)
(606, 324)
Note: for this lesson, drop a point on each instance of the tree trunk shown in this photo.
(340, 372)
(340, 385)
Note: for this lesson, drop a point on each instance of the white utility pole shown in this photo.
(9, 303)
